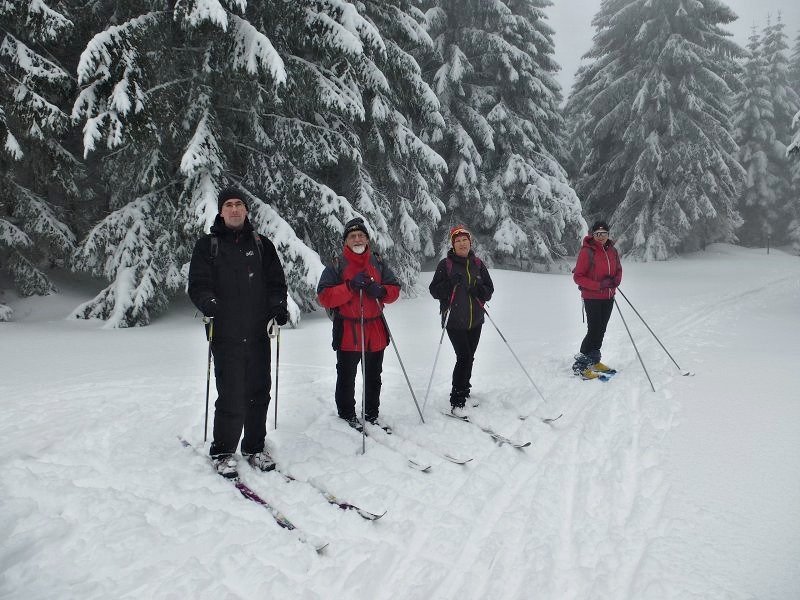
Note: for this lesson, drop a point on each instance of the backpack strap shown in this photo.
(214, 246)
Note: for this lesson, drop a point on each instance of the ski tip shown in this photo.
(553, 419)
(688, 374)
(370, 516)
(419, 466)
(458, 461)
(321, 548)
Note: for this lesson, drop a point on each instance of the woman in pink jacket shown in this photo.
(598, 273)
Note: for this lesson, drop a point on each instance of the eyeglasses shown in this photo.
(599, 233)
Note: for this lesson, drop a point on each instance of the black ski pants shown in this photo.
(465, 343)
(346, 368)
(242, 371)
(598, 312)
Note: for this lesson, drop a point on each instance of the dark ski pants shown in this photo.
(242, 371)
(346, 368)
(465, 343)
(598, 312)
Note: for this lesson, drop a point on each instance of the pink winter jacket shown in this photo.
(596, 262)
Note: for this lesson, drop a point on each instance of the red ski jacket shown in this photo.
(596, 262)
(334, 292)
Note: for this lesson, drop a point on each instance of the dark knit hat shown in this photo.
(228, 193)
(600, 226)
(459, 230)
(356, 224)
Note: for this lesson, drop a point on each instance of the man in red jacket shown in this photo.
(358, 281)
(598, 273)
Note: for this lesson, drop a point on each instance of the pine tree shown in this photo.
(793, 153)
(39, 176)
(399, 170)
(152, 87)
(662, 162)
(755, 135)
(786, 103)
(500, 103)
(306, 105)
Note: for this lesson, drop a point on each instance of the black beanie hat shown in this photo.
(600, 225)
(228, 193)
(356, 224)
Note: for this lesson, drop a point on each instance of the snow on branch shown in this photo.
(253, 51)
(41, 220)
(12, 236)
(348, 29)
(203, 152)
(45, 24)
(794, 147)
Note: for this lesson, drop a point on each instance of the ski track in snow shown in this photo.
(580, 514)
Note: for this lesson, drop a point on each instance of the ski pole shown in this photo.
(519, 362)
(363, 376)
(439, 348)
(210, 322)
(400, 360)
(684, 373)
(277, 372)
(634, 345)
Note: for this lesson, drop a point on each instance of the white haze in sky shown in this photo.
(572, 21)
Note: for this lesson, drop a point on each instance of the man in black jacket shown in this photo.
(236, 278)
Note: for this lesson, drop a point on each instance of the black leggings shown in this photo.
(465, 343)
(598, 312)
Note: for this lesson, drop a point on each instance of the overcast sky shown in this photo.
(572, 21)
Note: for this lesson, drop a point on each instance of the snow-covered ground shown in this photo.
(691, 491)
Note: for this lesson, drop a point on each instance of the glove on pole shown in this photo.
(684, 373)
(400, 360)
(652, 387)
(441, 337)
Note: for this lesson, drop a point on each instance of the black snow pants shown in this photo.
(598, 312)
(242, 371)
(346, 368)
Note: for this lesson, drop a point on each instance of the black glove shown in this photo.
(280, 314)
(608, 282)
(376, 290)
(360, 281)
(210, 307)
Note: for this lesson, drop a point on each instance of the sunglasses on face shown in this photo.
(599, 233)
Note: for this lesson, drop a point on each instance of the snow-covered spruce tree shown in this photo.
(345, 132)
(186, 99)
(401, 173)
(794, 66)
(786, 103)
(755, 135)
(793, 152)
(662, 163)
(39, 176)
(500, 103)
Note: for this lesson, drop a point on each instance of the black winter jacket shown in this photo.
(247, 287)
(476, 289)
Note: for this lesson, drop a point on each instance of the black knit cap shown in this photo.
(228, 193)
(356, 224)
(600, 226)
